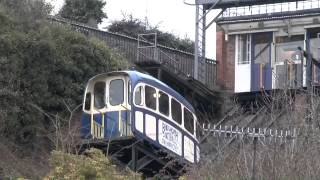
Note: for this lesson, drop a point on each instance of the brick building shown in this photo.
(262, 45)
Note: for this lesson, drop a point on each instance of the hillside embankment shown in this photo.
(43, 70)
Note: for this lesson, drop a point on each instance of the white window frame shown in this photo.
(124, 102)
(238, 46)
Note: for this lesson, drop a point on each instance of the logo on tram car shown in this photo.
(170, 137)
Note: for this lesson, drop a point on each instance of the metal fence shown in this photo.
(247, 132)
(271, 8)
(174, 60)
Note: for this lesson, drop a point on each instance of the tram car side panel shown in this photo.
(164, 118)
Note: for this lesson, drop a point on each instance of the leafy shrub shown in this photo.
(132, 27)
(83, 10)
(45, 66)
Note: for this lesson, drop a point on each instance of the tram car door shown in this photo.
(261, 76)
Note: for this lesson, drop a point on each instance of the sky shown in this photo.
(171, 16)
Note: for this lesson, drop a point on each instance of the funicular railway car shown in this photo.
(129, 104)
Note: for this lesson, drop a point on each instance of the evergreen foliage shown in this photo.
(132, 27)
(84, 11)
(43, 66)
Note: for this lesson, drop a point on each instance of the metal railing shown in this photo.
(247, 132)
(173, 59)
(97, 130)
(271, 8)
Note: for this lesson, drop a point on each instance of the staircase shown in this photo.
(139, 51)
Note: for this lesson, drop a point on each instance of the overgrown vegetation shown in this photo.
(92, 165)
(132, 27)
(278, 156)
(43, 68)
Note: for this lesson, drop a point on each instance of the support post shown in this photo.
(302, 66)
(196, 44)
(309, 82)
(204, 23)
(159, 73)
(255, 140)
(134, 158)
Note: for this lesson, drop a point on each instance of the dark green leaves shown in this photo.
(84, 11)
(45, 65)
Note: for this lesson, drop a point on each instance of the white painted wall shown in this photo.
(188, 149)
(242, 73)
(151, 127)
(139, 121)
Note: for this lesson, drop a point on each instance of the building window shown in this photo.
(151, 97)
(261, 48)
(188, 121)
(99, 95)
(244, 48)
(176, 111)
(163, 103)
(287, 48)
(314, 42)
(116, 92)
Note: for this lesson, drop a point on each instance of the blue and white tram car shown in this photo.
(132, 104)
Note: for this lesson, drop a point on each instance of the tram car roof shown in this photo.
(137, 77)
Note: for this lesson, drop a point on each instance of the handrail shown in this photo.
(63, 20)
(97, 130)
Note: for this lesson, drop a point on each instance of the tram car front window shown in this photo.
(99, 95)
(116, 92)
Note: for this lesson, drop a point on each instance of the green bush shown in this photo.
(43, 66)
(132, 27)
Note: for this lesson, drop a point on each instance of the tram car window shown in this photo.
(87, 103)
(163, 103)
(151, 97)
(138, 96)
(131, 105)
(99, 95)
(188, 121)
(176, 111)
(116, 92)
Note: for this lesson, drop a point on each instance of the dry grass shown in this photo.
(298, 159)
(93, 165)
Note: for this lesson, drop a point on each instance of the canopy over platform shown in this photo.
(220, 4)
